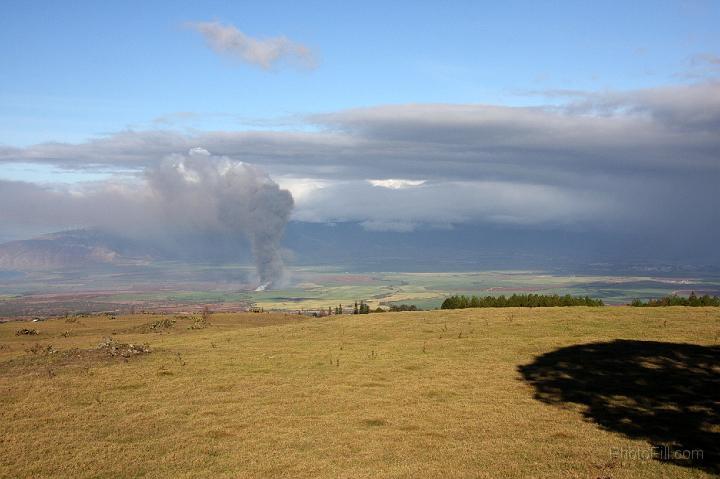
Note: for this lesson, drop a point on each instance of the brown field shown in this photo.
(547, 392)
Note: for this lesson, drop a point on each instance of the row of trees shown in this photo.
(359, 308)
(674, 300)
(363, 308)
(518, 300)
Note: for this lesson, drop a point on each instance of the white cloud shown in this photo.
(301, 188)
(262, 52)
(198, 151)
(396, 184)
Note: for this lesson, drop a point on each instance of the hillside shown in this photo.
(546, 392)
(56, 251)
(350, 246)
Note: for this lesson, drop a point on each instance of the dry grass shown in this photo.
(427, 394)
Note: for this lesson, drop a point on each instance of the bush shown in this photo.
(403, 307)
(26, 332)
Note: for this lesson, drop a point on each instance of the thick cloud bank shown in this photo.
(614, 162)
(191, 193)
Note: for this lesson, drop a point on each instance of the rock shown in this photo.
(26, 331)
(114, 348)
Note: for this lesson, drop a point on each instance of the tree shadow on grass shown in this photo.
(665, 393)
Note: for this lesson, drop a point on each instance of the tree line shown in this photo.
(518, 300)
(674, 300)
(363, 308)
(359, 308)
(403, 307)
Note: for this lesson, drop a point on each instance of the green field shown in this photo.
(321, 288)
(545, 392)
(428, 290)
(177, 287)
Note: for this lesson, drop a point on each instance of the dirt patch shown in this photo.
(44, 359)
(41, 349)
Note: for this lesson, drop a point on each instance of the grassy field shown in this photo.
(465, 393)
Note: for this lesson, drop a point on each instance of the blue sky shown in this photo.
(75, 70)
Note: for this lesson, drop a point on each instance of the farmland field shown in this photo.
(548, 392)
(173, 287)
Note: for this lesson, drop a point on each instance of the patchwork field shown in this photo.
(547, 392)
(176, 287)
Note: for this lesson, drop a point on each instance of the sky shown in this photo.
(79, 70)
(568, 115)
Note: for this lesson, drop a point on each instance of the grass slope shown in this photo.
(426, 394)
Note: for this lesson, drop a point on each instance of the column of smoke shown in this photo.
(206, 192)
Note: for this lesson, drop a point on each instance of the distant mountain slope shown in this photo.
(57, 251)
(352, 247)
(89, 247)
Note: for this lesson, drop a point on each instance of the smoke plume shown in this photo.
(207, 192)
